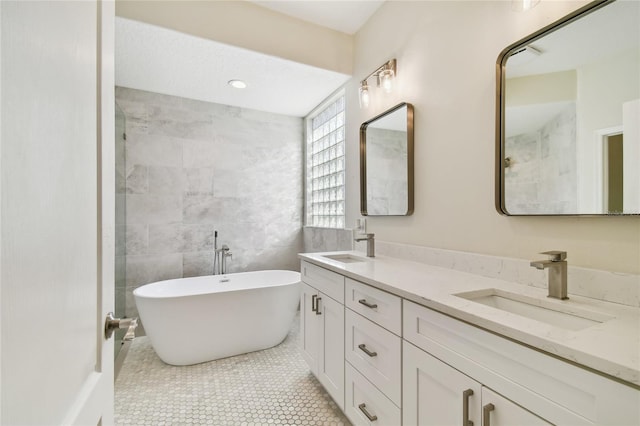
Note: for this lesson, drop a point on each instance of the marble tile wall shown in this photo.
(194, 167)
(387, 188)
(326, 239)
(541, 180)
(120, 218)
(602, 285)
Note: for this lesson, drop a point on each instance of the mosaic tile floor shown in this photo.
(270, 387)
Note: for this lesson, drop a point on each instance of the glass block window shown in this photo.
(325, 165)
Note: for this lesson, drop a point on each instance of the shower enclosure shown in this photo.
(120, 216)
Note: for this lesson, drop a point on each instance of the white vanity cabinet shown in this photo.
(523, 385)
(388, 361)
(322, 327)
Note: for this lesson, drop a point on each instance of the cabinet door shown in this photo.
(435, 393)
(499, 411)
(309, 327)
(331, 350)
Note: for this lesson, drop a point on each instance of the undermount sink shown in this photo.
(557, 313)
(344, 258)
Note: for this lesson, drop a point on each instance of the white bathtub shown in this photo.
(193, 320)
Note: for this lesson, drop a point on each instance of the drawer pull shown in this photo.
(465, 407)
(363, 408)
(314, 308)
(318, 299)
(364, 349)
(367, 304)
(486, 414)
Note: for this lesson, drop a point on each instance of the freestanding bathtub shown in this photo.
(194, 320)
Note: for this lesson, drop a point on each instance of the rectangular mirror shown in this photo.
(386, 163)
(568, 116)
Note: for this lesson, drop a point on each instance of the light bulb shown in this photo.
(386, 80)
(238, 84)
(364, 95)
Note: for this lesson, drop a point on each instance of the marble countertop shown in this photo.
(611, 347)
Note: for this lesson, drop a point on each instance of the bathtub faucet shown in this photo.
(220, 256)
(220, 259)
(224, 253)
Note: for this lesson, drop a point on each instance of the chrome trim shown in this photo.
(486, 414)
(367, 304)
(364, 349)
(363, 408)
(500, 162)
(465, 407)
(112, 323)
(410, 159)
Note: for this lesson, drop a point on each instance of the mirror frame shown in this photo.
(410, 156)
(500, 161)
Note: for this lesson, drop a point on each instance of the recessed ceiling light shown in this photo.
(238, 84)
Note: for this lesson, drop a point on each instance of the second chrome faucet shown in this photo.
(557, 266)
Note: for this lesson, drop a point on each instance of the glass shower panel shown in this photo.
(120, 271)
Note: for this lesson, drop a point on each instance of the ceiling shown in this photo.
(161, 60)
(340, 15)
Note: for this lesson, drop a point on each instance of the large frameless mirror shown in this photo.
(386, 163)
(568, 116)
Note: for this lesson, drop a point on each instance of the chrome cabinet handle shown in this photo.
(363, 408)
(364, 349)
(314, 307)
(465, 407)
(112, 324)
(367, 304)
(318, 299)
(486, 414)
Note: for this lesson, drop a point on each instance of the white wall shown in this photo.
(446, 52)
(244, 24)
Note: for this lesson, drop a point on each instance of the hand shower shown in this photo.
(215, 253)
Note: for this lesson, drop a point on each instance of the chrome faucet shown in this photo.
(220, 256)
(225, 253)
(369, 238)
(557, 265)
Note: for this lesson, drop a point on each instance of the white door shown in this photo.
(309, 327)
(435, 393)
(56, 221)
(331, 349)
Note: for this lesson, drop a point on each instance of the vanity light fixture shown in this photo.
(523, 5)
(384, 78)
(364, 94)
(238, 84)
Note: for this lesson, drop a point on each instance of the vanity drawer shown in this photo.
(326, 281)
(361, 396)
(374, 352)
(379, 306)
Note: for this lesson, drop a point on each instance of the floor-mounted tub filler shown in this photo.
(199, 319)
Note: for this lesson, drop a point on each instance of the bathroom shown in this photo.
(446, 58)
